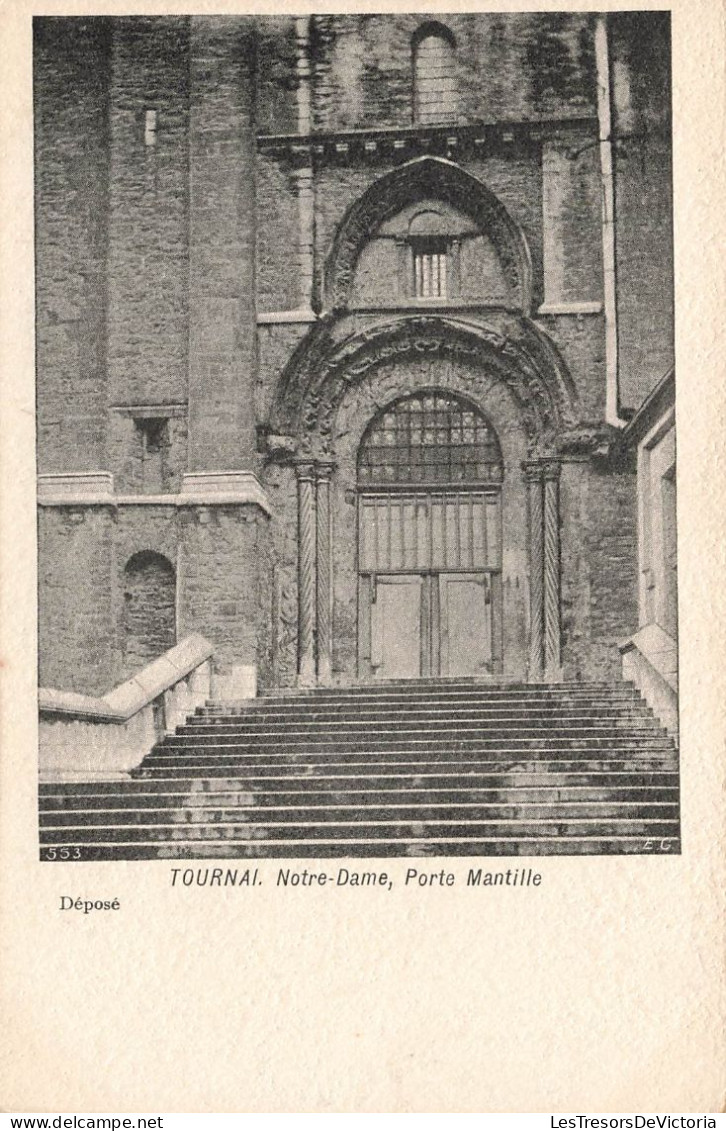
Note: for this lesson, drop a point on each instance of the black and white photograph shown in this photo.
(355, 404)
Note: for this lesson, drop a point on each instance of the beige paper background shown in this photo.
(601, 990)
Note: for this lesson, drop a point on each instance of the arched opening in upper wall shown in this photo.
(435, 81)
(428, 230)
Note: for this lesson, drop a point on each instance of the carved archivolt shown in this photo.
(316, 380)
(427, 177)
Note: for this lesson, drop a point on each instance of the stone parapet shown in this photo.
(222, 487)
(71, 487)
(202, 488)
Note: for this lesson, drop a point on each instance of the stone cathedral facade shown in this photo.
(342, 321)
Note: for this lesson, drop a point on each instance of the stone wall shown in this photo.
(77, 623)
(148, 251)
(643, 199)
(72, 59)
(599, 574)
(509, 67)
(91, 558)
(226, 583)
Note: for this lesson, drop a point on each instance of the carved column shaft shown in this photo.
(552, 571)
(533, 475)
(307, 596)
(324, 573)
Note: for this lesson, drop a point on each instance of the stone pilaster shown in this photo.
(306, 215)
(222, 209)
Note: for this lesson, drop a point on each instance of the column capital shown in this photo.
(325, 469)
(532, 471)
(304, 470)
(551, 469)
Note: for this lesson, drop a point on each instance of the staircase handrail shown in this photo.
(658, 648)
(128, 698)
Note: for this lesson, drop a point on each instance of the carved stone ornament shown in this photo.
(427, 177)
(318, 377)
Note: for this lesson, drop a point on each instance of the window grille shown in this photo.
(429, 272)
(435, 94)
(429, 438)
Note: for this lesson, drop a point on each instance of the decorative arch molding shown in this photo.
(424, 178)
(322, 371)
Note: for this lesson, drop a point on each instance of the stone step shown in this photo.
(180, 752)
(405, 724)
(330, 813)
(423, 709)
(394, 735)
(414, 765)
(446, 684)
(264, 795)
(375, 829)
(367, 708)
(380, 777)
(184, 852)
(359, 699)
(407, 768)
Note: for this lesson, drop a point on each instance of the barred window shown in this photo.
(429, 438)
(429, 270)
(434, 77)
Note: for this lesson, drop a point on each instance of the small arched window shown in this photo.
(435, 96)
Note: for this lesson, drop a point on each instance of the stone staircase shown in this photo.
(424, 768)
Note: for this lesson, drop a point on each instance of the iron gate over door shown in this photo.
(429, 541)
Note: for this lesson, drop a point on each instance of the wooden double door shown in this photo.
(429, 584)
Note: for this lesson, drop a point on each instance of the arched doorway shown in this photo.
(429, 474)
(149, 613)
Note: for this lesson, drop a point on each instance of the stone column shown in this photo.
(533, 476)
(324, 572)
(307, 581)
(552, 570)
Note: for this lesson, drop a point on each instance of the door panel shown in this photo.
(429, 566)
(396, 627)
(465, 624)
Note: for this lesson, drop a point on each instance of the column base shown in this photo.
(306, 676)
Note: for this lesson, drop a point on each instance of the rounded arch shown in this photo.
(149, 609)
(525, 362)
(430, 437)
(422, 179)
(435, 88)
(432, 28)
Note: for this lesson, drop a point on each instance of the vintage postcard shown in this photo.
(365, 615)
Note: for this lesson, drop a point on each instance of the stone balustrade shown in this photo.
(650, 661)
(85, 738)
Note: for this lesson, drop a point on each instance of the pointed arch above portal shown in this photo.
(427, 179)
